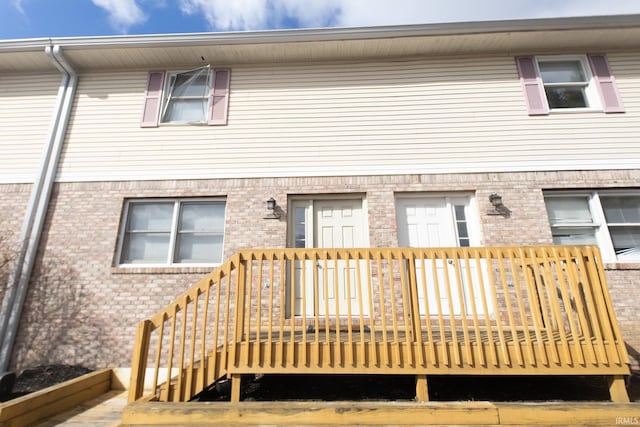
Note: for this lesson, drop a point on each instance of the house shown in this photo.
(132, 166)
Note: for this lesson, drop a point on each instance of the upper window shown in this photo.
(167, 232)
(186, 97)
(610, 219)
(199, 96)
(568, 83)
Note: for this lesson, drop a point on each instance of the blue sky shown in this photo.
(59, 18)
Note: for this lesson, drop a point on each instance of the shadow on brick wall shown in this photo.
(634, 358)
(7, 254)
(57, 326)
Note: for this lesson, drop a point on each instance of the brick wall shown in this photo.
(13, 200)
(91, 306)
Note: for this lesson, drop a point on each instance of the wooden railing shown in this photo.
(491, 310)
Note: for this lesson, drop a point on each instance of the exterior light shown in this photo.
(498, 208)
(272, 211)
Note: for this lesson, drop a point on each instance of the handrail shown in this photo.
(387, 310)
(209, 326)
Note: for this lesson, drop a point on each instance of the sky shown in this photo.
(61, 18)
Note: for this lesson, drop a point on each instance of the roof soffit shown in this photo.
(186, 50)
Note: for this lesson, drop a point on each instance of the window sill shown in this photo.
(170, 124)
(629, 265)
(162, 269)
(574, 110)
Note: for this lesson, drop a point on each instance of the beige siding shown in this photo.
(412, 116)
(26, 106)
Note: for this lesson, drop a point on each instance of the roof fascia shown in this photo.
(327, 34)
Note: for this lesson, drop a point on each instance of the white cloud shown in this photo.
(18, 5)
(360, 12)
(228, 15)
(310, 13)
(588, 8)
(122, 13)
(260, 14)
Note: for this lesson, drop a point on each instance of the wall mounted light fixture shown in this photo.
(272, 209)
(498, 208)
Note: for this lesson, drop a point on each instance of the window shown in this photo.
(186, 97)
(460, 217)
(199, 96)
(300, 227)
(568, 83)
(610, 219)
(167, 232)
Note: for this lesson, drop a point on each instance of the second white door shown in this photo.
(441, 221)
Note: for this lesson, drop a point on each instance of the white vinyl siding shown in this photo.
(26, 106)
(351, 118)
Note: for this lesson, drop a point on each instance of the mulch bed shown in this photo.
(40, 377)
(369, 387)
(402, 388)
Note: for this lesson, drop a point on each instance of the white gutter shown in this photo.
(37, 208)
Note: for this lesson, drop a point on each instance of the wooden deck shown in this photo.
(109, 409)
(103, 411)
(417, 311)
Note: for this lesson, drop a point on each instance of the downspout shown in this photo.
(20, 276)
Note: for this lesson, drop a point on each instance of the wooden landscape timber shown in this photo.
(377, 413)
(34, 407)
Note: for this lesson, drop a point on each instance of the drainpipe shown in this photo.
(37, 208)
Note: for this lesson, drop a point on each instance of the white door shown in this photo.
(440, 222)
(334, 223)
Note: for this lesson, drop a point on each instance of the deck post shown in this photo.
(617, 389)
(139, 363)
(422, 390)
(236, 381)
